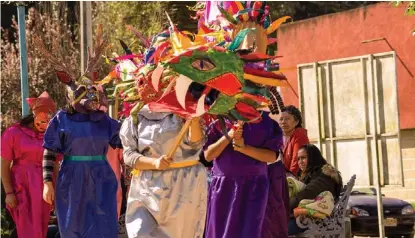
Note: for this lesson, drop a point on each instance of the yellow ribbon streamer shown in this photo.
(175, 165)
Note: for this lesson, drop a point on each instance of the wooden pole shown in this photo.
(115, 108)
(379, 198)
(179, 138)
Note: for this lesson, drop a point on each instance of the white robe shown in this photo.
(170, 203)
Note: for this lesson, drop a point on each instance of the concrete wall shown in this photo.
(408, 160)
(340, 36)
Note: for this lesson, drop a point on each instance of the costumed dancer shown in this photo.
(86, 186)
(163, 201)
(239, 189)
(21, 146)
(168, 190)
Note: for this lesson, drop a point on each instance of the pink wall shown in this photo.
(340, 35)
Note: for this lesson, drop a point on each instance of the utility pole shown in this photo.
(379, 199)
(86, 32)
(86, 40)
(24, 81)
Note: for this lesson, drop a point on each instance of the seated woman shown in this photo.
(318, 176)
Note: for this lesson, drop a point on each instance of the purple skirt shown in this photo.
(276, 215)
(236, 206)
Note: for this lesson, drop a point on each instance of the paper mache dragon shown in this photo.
(223, 70)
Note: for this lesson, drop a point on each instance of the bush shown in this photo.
(7, 224)
(57, 36)
(148, 18)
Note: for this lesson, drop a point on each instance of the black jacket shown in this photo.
(318, 180)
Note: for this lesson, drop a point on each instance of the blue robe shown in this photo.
(86, 187)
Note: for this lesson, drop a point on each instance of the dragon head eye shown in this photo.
(204, 64)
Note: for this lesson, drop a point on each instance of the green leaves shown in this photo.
(410, 10)
(148, 18)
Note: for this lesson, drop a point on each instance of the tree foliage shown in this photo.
(148, 18)
(56, 35)
(409, 9)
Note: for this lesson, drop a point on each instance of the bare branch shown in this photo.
(95, 54)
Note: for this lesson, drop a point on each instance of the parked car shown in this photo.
(399, 216)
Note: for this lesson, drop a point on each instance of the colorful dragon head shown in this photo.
(223, 70)
(209, 80)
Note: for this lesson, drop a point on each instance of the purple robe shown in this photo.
(239, 189)
(276, 213)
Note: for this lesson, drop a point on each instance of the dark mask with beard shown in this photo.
(84, 95)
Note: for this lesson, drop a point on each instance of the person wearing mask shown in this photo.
(238, 193)
(167, 196)
(86, 186)
(21, 168)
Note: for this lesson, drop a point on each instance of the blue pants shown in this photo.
(86, 204)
